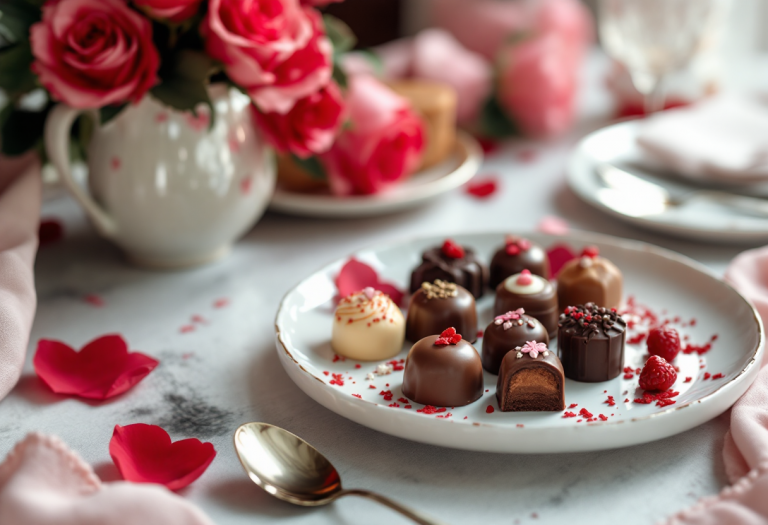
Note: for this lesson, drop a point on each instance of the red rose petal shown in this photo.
(558, 255)
(144, 454)
(483, 188)
(101, 369)
(489, 145)
(356, 275)
(553, 225)
(50, 231)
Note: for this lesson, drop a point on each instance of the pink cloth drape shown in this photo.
(20, 187)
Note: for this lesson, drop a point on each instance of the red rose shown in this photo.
(172, 10)
(318, 3)
(382, 144)
(92, 53)
(309, 127)
(274, 49)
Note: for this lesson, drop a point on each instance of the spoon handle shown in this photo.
(402, 509)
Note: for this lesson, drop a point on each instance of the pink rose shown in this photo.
(175, 11)
(438, 56)
(309, 127)
(274, 49)
(300, 75)
(568, 19)
(537, 82)
(92, 53)
(381, 145)
(318, 3)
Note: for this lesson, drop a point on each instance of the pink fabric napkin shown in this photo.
(42, 482)
(20, 185)
(746, 444)
(723, 139)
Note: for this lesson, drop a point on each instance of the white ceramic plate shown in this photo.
(452, 173)
(697, 220)
(659, 278)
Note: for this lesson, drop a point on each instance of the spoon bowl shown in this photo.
(292, 470)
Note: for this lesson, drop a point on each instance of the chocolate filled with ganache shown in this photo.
(531, 379)
(443, 370)
(506, 332)
(590, 343)
(589, 279)
(517, 254)
(532, 293)
(437, 306)
(452, 263)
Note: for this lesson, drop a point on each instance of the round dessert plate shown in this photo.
(705, 310)
(697, 219)
(460, 166)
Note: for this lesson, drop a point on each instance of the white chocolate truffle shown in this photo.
(368, 326)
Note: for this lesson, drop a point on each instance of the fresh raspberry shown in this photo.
(448, 337)
(664, 342)
(590, 251)
(657, 374)
(452, 250)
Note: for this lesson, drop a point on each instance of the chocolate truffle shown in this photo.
(590, 341)
(443, 370)
(438, 305)
(451, 263)
(531, 380)
(509, 331)
(532, 293)
(516, 255)
(589, 279)
(368, 326)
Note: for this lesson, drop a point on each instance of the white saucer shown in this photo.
(452, 173)
(659, 278)
(698, 220)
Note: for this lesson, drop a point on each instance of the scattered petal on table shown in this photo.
(482, 188)
(145, 454)
(553, 225)
(489, 146)
(102, 369)
(558, 255)
(50, 231)
(356, 275)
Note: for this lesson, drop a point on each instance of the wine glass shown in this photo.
(654, 38)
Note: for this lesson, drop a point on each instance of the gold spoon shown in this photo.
(292, 470)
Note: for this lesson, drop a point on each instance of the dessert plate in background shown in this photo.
(698, 219)
(461, 165)
(671, 284)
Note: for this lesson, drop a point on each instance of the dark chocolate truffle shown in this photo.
(507, 332)
(532, 293)
(437, 306)
(589, 279)
(531, 380)
(443, 371)
(590, 342)
(516, 255)
(454, 264)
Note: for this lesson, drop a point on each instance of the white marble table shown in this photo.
(226, 371)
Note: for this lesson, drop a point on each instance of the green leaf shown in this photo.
(16, 77)
(312, 166)
(107, 113)
(21, 130)
(340, 35)
(494, 122)
(184, 82)
(339, 76)
(15, 18)
(374, 60)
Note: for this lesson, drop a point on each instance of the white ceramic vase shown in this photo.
(163, 186)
